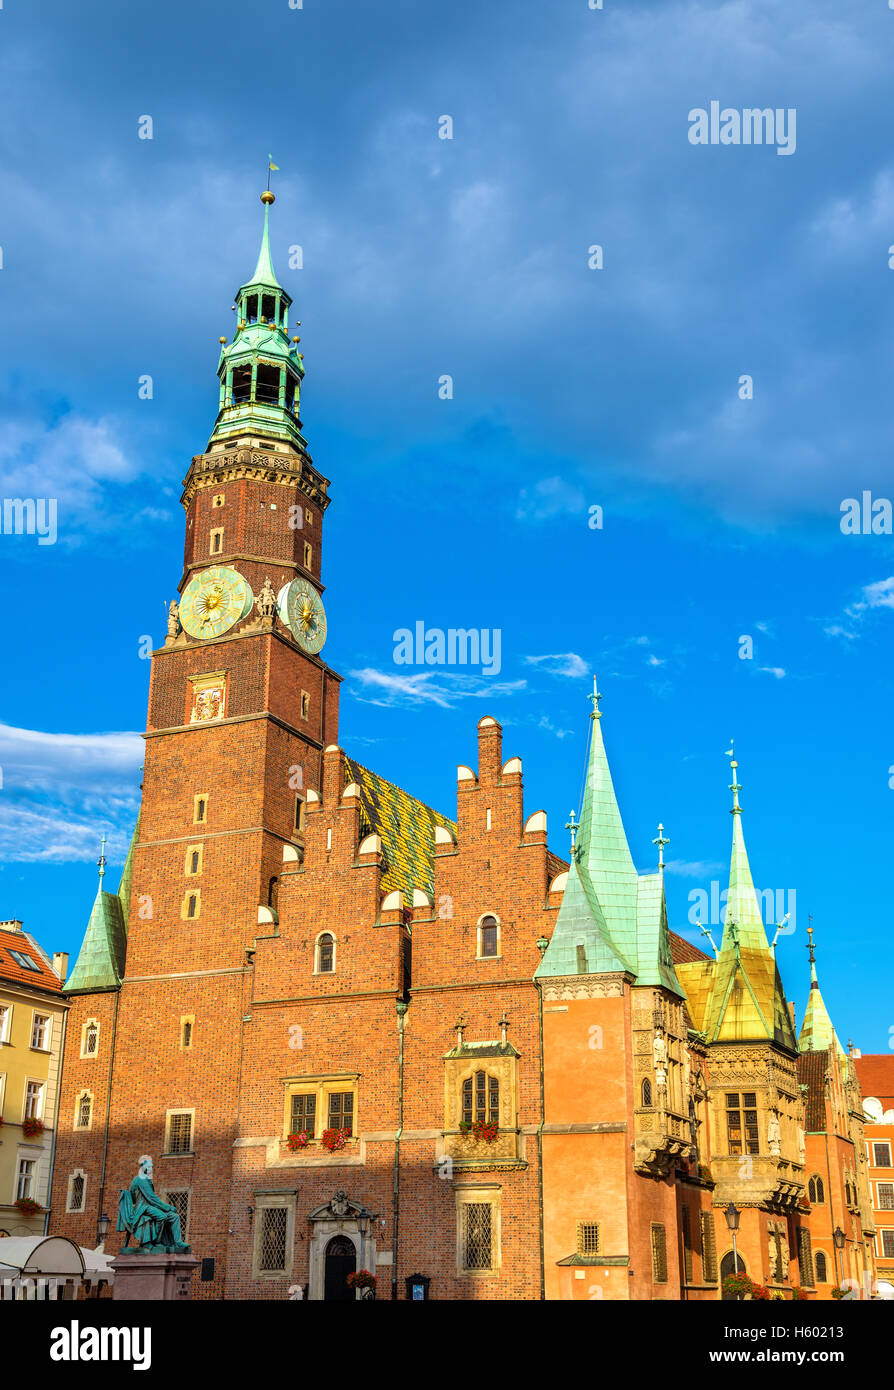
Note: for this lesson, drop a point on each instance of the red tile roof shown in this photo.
(875, 1074)
(683, 950)
(10, 970)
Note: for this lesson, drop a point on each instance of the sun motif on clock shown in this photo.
(306, 615)
(213, 601)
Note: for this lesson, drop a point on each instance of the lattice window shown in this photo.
(85, 1110)
(822, 1272)
(587, 1238)
(709, 1249)
(91, 1040)
(341, 1110)
(76, 1192)
(326, 954)
(687, 1244)
(489, 936)
(647, 1093)
(272, 1259)
(180, 1202)
(180, 1133)
(659, 1254)
(815, 1190)
(886, 1196)
(476, 1235)
(481, 1099)
(741, 1123)
(304, 1115)
(805, 1257)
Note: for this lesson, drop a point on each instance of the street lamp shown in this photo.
(733, 1215)
(363, 1227)
(102, 1228)
(838, 1238)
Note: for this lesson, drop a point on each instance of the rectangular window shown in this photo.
(476, 1235)
(881, 1155)
(308, 516)
(737, 1132)
(25, 1178)
(588, 1238)
(191, 904)
(299, 814)
(273, 1226)
(709, 1249)
(687, 1244)
(216, 541)
(885, 1196)
(33, 1100)
(805, 1257)
(186, 1027)
(179, 1132)
(887, 1244)
(5, 1014)
(179, 1200)
(308, 555)
(341, 1110)
(25, 961)
(489, 939)
(200, 810)
(76, 1192)
(40, 1032)
(193, 860)
(659, 1254)
(305, 705)
(218, 499)
(304, 1115)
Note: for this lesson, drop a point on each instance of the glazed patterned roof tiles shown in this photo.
(406, 827)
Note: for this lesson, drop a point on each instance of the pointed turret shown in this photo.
(261, 371)
(747, 999)
(611, 918)
(100, 962)
(817, 1033)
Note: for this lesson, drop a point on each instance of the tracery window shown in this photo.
(815, 1190)
(481, 1099)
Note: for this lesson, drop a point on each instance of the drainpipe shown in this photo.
(838, 1275)
(46, 1224)
(105, 1140)
(401, 1019)
(540, 1140)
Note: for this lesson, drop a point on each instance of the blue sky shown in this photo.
(572, 388)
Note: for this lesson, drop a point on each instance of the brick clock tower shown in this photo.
(241, 706)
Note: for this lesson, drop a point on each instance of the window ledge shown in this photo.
(47, 1051)
(190, 1153)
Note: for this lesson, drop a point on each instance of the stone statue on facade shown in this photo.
(773, 1134)
(266, 602)
(802, 1145)
(173, 621)
(153, 1224)
(659, 1051)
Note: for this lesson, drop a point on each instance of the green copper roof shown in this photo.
(264, 272)
(747, 1001)
(100, 962)
(817, 1033)
(611, 918)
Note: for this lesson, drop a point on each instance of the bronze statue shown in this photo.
(154, 1224)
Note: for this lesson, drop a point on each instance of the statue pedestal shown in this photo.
(153, 1277)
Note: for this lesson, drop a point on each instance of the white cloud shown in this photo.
(653, 660)
(880, 594)
(62, 792)
(777, 671)
(430, 687)
(561, 664)
(548, 498)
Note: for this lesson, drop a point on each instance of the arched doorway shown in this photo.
(341, 1260)
(728, 1266)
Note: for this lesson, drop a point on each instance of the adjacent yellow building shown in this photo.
(32, 1032)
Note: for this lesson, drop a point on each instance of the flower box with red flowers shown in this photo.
(32, 1128)
(334, 1139)
(27, 1206)
(485, 1130)
(298, 1141)
(361, 1279)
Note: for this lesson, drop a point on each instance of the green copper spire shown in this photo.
(747, 1000)
(100, 962)
(611, 918)
(817, 1033)
(261, 370)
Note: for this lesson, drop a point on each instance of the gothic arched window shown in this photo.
(325, 953)
(647, 1093)
(822, 1274)
(815, 1190)
(481, 1099)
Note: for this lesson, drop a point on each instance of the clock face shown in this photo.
(306, 615)
(214, 600)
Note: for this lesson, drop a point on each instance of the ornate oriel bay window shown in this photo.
(481, 1103)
